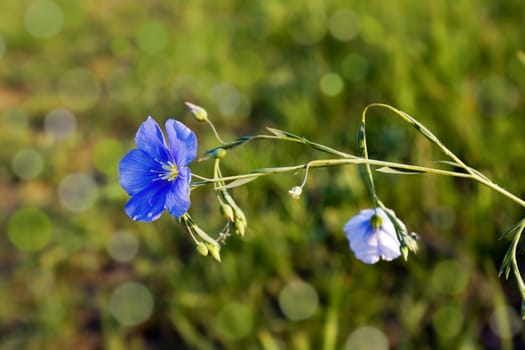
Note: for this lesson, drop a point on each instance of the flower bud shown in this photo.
(198, 113)
(202, 249)
(404, 251)
(218, 153)
(227, 212)
(296, 192)
(215, 251)
(240, 226)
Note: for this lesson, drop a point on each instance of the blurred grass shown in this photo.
(456, 66)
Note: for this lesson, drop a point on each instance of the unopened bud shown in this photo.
(198, 113)
(404, 251)
(215, 251)
(202, 249)
(227, 212)
(218, 153)
(240, 226)
(296, 192)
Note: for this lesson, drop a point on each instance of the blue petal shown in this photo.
(178, 198)
(148, 204)
(368, 245)
(365, 246)
(137, 171)
(389, 246)
(182, 141)
(150, 139)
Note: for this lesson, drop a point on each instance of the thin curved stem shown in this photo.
(474, 174)
(327, 163)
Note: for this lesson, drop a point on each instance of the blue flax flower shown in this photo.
(155, 174)
(372, 236)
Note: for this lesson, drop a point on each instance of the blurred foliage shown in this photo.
(78, 77)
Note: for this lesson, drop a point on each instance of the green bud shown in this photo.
(202, 249)
(410, 242)
(227, 212)
(215, 251)
(240, 226)
(404, 251)
(218, 153)
(198, 113)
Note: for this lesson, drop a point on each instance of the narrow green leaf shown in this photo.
(448, 162)
(390, 170)
(284, 134)
(361, 140)
(276, 132)
(511, 229)
(523, 309)
(238, 183)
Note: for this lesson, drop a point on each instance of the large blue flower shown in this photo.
(372, 236)
(155, 174)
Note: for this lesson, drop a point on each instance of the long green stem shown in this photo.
(327, 163)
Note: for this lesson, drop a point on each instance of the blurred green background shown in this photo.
(78, 77)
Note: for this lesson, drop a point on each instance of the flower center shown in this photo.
(171, 171)
(376, 222)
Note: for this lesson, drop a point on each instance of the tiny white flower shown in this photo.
(372, 236)
(295, 192)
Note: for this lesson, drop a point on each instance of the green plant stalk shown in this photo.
(515, 269)
(474, 174)
(322, 163)
(220, 183)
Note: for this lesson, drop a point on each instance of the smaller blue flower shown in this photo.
(156, 173)
(372, 236)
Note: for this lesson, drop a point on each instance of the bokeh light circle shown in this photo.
(367, 338)
(447, 321)
(234, 320)
(344, 24)
(331, 84)
(41, 282)
(29, 229)
(27, 164)
(229, 100)
(79, 89)
(307, 26)
(131, 303)
(354, 67)
(123, 246)
(152, 38)
(43, 19)
(449, 277)
(505, 322)
(77, 192)
(120, 46)
(298, 300)
(123, 85)
(106, 155)
(15, 120)
(60, 123)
